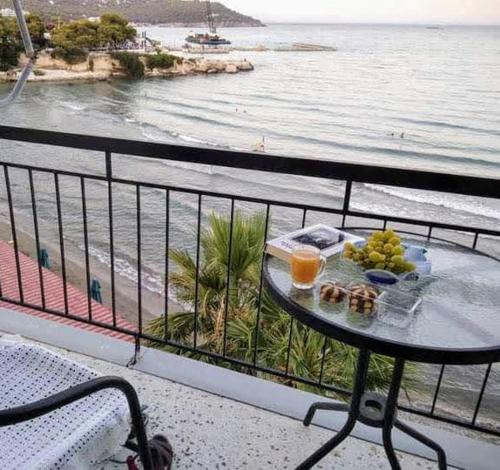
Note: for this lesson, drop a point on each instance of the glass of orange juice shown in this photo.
(306, 265)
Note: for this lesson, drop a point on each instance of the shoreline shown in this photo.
(101, 66)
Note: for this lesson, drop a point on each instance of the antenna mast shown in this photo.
(210, 18)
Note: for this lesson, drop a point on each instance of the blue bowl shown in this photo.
(381, 276)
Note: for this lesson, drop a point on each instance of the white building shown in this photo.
(7, 12)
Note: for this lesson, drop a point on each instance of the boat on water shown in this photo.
(207, 39)
(210, 38)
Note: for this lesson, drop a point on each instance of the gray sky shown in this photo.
(378, 11)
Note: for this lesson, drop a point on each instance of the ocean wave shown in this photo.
(151, 282)
(450, 126)
(73, 105)
(461, 203)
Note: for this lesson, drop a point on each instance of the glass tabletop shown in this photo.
(451, 316)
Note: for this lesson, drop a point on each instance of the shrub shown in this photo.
(131, 62)
(70, 54)
(38, 73)
(10, 47)
(160, 61)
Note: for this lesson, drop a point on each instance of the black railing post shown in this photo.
(139, 257)
(86, 245)
(37, 236)
(197, 281)
(347, 201)
(61, 243)
(109, 179)
(438, 388)
(167, 267)
(261, 286)
(481, 394)
(14, 234)
(228, 279)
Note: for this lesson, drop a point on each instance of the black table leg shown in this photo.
(424, 440)
(384, 416)
(390, 421)
(353, 409)
(390, 413)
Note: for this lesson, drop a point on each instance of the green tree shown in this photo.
(242, 299)
(131, 62)
(10, 47)
(114, 30)
(82, 34)
(37, 30)
(161, 61)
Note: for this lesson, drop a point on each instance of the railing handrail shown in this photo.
(321, 168)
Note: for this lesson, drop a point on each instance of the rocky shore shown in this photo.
(100, 66)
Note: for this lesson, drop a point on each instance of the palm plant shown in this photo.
(227, 313)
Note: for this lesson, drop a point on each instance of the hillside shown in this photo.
(173, 12)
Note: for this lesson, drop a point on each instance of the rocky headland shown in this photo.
(100, 66)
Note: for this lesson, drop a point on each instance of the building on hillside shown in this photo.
(7, 12)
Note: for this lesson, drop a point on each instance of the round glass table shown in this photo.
(449, 317)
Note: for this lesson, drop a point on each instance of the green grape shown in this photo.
(380, 266)
(348, 246)
(374, 257)
(409, 267)
(399, 250)
(388, 248)
(398, 260)
(396, 241)
(378, 236)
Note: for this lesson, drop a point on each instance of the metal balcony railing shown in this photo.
(114, 150)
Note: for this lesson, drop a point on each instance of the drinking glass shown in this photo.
(307, 265)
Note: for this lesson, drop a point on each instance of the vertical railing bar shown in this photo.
(1, 292)
(476, 238)
(167, 266)
(197, 280)
(384, 227)
(139, 257)
(228, 280)
(438, 387)
(323, 360)
(481, 394)
(37, 236)
(261, 283)
(14, 234)
(429, 233)
(289, 348)
(86, 245)
(109, 177)
(61, 243)
(347, 201)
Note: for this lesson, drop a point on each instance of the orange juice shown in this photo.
(305, 267)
